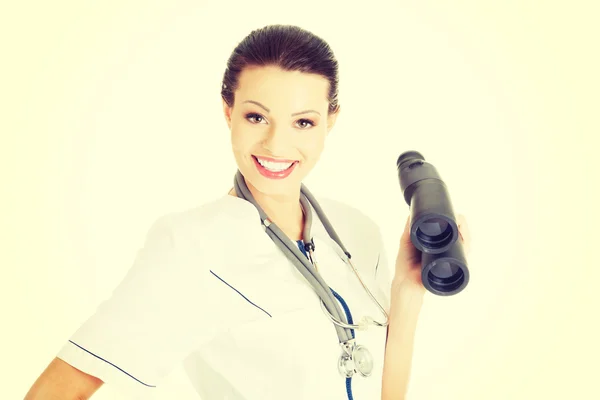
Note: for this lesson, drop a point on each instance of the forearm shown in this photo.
(404, 313)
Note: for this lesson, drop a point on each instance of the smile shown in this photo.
(275, 166)
(275, 169)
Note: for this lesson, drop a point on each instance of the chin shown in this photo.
(273, 187)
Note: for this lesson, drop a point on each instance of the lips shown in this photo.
(273, 174)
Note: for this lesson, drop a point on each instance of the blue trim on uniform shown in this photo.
(240, 293)
(108, 362)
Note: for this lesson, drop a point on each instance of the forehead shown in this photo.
(275, 87)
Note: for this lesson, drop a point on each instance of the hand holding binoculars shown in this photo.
(433, 227)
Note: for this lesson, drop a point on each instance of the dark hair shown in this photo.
(288, 47)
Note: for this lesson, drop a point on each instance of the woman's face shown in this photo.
(278, 126)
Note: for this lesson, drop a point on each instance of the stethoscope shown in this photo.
(354, 358)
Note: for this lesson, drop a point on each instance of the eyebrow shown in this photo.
(293, 114)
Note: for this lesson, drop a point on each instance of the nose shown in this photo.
(277, 140)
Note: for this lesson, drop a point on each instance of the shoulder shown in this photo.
(209, 219)
(347, 217)
(205, 234)
(358, 231)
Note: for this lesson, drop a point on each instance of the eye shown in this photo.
(305, 123)
(255, 118)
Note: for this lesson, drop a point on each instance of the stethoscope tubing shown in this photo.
(328, 301)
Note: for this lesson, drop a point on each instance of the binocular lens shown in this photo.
(434, 233)
(433, 226)
(433, 230)
(446, 276)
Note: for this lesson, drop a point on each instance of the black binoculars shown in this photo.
(433, 227)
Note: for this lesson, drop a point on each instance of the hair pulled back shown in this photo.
(288, 47)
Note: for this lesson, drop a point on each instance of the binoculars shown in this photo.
(433, 227)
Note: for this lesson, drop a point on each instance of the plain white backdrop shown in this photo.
(113, 117)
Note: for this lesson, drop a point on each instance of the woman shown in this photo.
(211, 290)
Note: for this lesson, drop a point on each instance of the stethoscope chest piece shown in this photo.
(355, 359)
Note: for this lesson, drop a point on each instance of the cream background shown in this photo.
(111, 116)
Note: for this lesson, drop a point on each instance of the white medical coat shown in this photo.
(211, 291)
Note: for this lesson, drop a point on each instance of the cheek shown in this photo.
(313, 149)
(241, 136)
(241, 127)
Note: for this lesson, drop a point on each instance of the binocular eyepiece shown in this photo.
(433, 227)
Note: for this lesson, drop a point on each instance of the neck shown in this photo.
(284, 210)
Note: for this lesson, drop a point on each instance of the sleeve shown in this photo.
(151, 322)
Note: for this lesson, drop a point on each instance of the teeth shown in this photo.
(274, 166)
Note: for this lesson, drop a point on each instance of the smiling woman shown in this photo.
(211, 291)
(278, 135)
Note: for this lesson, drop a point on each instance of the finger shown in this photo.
(405, 238)
(406, 251)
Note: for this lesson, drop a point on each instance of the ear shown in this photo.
(331, 118)
(227, 112)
